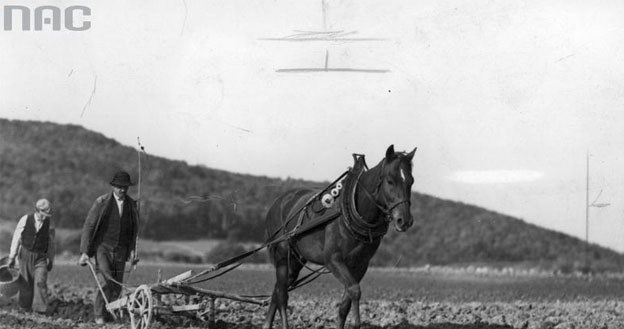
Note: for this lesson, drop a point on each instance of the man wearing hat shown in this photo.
(33, 242)
(109, 234)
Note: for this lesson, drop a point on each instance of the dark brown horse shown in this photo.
(368, 201)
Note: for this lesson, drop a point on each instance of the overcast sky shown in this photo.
(502, 98)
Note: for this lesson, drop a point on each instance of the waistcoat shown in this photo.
(33, 240)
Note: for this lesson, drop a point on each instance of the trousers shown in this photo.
(34, 269)
(111, 264)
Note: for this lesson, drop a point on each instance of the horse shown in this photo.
(368, 201)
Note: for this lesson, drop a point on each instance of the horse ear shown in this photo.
(411, 154)
(390, 152)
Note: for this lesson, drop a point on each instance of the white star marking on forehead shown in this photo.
(402, 175)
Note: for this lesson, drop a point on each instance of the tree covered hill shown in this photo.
(71, 166)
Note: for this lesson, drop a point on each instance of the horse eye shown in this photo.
(390, 182)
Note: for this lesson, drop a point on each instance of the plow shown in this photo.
(144, 303)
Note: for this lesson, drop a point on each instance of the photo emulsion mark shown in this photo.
(326, 36)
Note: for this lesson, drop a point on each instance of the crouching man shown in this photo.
(33, 245)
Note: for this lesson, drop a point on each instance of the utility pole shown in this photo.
(587, 205)
(587, 213)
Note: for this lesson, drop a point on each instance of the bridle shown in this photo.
(385, 208)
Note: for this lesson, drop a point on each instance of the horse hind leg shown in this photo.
(275, 253)
(289, 276)
(270, 315)
(287, 271)
(276, 296)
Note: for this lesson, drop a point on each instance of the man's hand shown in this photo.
(11, 262)
(50, 264)
(84, 259)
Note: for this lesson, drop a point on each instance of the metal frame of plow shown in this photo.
(143, 305)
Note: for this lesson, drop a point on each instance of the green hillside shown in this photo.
(71, 166)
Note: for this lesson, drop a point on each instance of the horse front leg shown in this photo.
(343, 309)
(351, 296)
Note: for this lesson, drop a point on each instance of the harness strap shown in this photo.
(385, 209)
(207, 278)
(305, 227)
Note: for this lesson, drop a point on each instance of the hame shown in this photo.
(72, 18)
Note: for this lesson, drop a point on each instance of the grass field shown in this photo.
(419, 298)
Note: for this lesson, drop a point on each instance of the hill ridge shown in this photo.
(182, 201)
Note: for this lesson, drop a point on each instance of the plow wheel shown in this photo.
(140, 307)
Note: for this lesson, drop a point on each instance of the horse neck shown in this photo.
(363, 202)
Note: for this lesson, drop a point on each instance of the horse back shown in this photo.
(282, 216)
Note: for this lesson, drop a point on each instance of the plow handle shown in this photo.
(97, 281)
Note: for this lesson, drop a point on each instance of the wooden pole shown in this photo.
(133, 262)
(587, 214)
(218, 294)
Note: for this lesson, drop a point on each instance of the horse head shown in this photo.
(396, 187)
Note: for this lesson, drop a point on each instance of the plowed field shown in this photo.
(436, 298)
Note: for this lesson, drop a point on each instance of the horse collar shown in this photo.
(355, 223)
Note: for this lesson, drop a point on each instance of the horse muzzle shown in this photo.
(399, 212)
(402, 218)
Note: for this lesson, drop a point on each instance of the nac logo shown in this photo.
(73, 18)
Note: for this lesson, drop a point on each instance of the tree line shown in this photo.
(71, 166)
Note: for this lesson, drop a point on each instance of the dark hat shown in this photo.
(121, 179)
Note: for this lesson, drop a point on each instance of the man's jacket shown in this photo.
(92, 232)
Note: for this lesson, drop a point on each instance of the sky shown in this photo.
(505, 100)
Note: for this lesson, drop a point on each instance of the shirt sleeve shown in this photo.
(17, 236)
